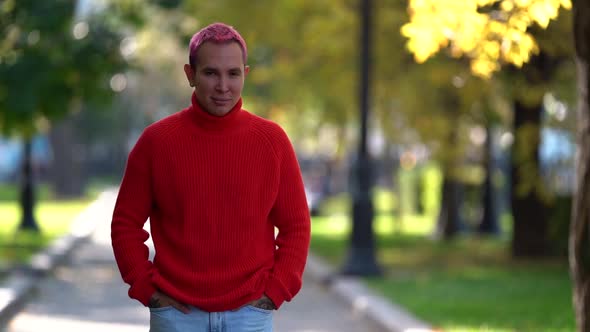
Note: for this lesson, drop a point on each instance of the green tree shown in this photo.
(50, 63)
(490, 34)
(435, 104)
(579, 235)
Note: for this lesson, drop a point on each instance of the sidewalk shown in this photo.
(86, 293)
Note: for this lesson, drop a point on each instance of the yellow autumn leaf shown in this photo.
(483, 67)
(491, 49)
(542, 12)
(521, 49)
(496, 28)
(422, 42)
(507, 5)
(523, 3)
(520, 22)
(482, 3)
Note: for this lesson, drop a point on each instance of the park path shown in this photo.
(87, 294)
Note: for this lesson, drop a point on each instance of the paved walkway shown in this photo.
(87, 294)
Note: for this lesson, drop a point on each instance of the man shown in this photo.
(215, 181)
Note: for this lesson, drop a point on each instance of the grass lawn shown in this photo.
(54, 219)
(469, 284)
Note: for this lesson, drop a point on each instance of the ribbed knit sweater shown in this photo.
(214, 189)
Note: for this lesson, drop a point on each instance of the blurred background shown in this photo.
(470, 157)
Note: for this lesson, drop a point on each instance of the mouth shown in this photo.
(220, 101)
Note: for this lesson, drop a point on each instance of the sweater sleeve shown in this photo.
(131, 211)
(290, 215)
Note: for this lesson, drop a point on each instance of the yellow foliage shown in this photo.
(487, 37)
(507, 6)
(543, 12)
(483, 67)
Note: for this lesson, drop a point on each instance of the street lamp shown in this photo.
(361, 255)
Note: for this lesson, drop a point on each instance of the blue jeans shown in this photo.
(245, 319)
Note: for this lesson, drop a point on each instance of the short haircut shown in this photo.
(217, 33)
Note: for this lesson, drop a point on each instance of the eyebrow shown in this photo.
(216, 69)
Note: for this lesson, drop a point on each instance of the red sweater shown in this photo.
(214, 189)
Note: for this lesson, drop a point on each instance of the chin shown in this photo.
(221, 112)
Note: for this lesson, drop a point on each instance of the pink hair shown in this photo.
(216, 33)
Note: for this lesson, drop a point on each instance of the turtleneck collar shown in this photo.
(211, 122)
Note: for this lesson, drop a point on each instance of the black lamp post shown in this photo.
(361, 255)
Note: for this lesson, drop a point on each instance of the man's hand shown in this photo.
(159, 300)
(263, 303)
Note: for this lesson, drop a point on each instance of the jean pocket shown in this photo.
(264, 311)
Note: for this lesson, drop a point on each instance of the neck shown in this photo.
(211, 122)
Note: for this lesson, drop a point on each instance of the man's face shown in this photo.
(218, 77)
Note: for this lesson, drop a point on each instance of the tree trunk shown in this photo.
(28, 221)
(449, 221)
(579, 241)
(68, 156)
(418, 181)
(530, 236)
(489, 222)
(449, 217)
(400, 212)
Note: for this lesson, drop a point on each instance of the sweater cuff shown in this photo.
(276, 292)
(142, 290)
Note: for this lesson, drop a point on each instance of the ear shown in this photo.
(190, 74)
(246, 70)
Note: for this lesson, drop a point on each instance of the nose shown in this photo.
(222, 83)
